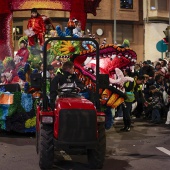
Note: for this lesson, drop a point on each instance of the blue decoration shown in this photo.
(26, 87)
(21, 74)
(27, 102)
(26, 67)
(30, 130)
(66, 33)
(4, 108)
(2, 89)
(35, 70)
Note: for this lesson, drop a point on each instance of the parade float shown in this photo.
(17, 97)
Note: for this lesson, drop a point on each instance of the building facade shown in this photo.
(125, 16)
(156, 19)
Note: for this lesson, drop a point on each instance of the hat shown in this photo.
(152, 87)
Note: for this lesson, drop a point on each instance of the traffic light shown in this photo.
(166, 32)
(167, 39)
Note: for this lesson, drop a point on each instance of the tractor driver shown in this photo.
(64, 78)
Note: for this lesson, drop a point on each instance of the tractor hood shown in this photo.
(74, 103)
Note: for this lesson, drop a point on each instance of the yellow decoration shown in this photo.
(30, 122)
(118, 102)
(112, 99)
(66, 47)
(41, 4)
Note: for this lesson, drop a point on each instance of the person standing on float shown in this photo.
(37, 27)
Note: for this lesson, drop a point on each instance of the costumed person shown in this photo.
(130, 92)
(22, 55)
(77, 30)
(10, 70)
(3, 79)
(36, 29)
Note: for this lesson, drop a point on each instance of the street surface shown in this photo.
(146, 146)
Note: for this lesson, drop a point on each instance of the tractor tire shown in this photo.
(37, 136)
(46, 147)
(37, 141)
(96, 156)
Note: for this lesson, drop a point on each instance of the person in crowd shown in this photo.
(146, 92)
(156, 103)
(164, 64)
(137, 68)
(162, 86)
(158, 66)
(130, 88)
(146, 69)
(147, 83)
(139, 98)
(167, 75)
(159, 69)
(40, 67)
(160, 83)
(50, 70)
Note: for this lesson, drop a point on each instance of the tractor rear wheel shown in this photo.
(46, 147)
(96, 156)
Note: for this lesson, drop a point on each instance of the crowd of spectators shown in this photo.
(152, 102)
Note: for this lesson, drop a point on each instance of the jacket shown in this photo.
(63, 79)
(37, 24)
(157, 100)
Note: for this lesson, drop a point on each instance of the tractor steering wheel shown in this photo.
(69, 90)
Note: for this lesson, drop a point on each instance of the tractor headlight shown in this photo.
(47, 119)
(100, 118)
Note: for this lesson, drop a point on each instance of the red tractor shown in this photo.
(76, 125)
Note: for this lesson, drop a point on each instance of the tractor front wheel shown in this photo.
(96, 156)
(46, 147)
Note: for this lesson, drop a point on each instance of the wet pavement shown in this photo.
(135, 150)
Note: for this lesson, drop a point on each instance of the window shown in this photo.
(124, 32)
(126, 4)
(162, 5)
(17, 32)
(153, 4)
(159, 5)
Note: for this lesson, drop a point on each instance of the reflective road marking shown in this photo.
(164, 150)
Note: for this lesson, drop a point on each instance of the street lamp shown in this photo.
(114, 22)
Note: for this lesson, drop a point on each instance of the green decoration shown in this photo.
(2, 124)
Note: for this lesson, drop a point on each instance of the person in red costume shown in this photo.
(36, 29)
(22, 55)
